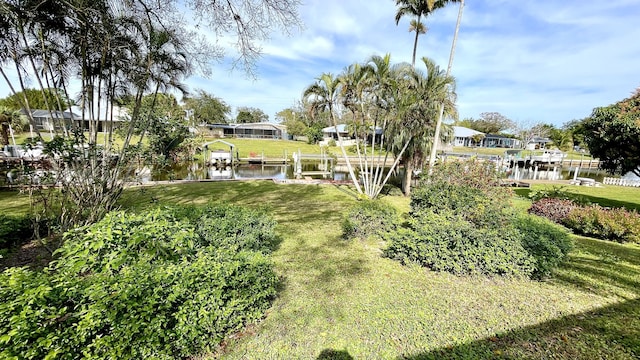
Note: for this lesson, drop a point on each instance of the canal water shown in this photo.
(197, 171)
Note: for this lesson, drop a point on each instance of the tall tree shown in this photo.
(250, 115)
(420, 103)
(612, 134)
(116, 49)
(36, 99)
(489, 123)
(417, 9)
(325, 95)
(434, 147)
(207, 108)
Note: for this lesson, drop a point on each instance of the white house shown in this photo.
(463, 136)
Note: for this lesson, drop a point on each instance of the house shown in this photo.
(538, 142)
(106, 118)
(262, 130)
(46, 120)
(500, 141)
(329, 132)
(463, 136)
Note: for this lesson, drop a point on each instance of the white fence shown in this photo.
(621, 182)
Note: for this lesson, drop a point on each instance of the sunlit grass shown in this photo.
(344, 296)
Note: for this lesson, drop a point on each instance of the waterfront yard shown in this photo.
(342, 298)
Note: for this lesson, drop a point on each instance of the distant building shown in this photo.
(500, 141)
(463, 136)
(263, 130)
(538, 142)
(49, 121)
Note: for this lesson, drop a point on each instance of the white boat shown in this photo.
(548, 157)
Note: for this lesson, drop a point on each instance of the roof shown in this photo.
(206, 145)
(463, 132)
(260, 126)
(54, 114)
(537, 139)
(119, 113)
(342, 128)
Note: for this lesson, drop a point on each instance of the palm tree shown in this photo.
(418, 9)
(9, 120)
(434, 147)
(420, 97)
(325, 95)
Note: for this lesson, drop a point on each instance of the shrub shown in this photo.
(447, 242)
(556, 210)
(469, 188)
(232, 227)
(14, 230)
(548, 243)
(369, 218)
(152, 285)
(461, 222)
(618, 224)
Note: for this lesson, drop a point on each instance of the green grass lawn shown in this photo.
(273, 148)
(608, 195)
(341, 299)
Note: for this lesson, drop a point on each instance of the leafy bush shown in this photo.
(159, 284)
(556, 210)
(447, 242)
(617, 224)
(232, 227)
(468, 188)
(548, 243)
(461, 222)
(369, 218)
(14, 229)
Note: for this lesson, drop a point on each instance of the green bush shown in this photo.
(369, 218)
(461, 222)
(157, 285)
(14, 230)
(447, 242)
(616, 224)
(468, 188)
(547, 242)
(232, 227)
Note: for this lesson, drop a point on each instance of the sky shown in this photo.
(543, 61)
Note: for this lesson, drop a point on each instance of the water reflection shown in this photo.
(555, 173)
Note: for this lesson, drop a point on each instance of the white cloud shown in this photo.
(539, 60)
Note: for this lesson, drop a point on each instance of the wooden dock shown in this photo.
(262, 160)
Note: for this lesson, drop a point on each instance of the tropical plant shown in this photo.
(10, 120)
(325, 95)
(387, 107)
(114, 50)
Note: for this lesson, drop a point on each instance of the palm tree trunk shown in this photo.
(415, 44)
(408, 176)
(436, 136)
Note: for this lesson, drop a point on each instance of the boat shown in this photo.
(548, 157)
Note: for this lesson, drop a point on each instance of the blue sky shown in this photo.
(543, 61)
(533, 61)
